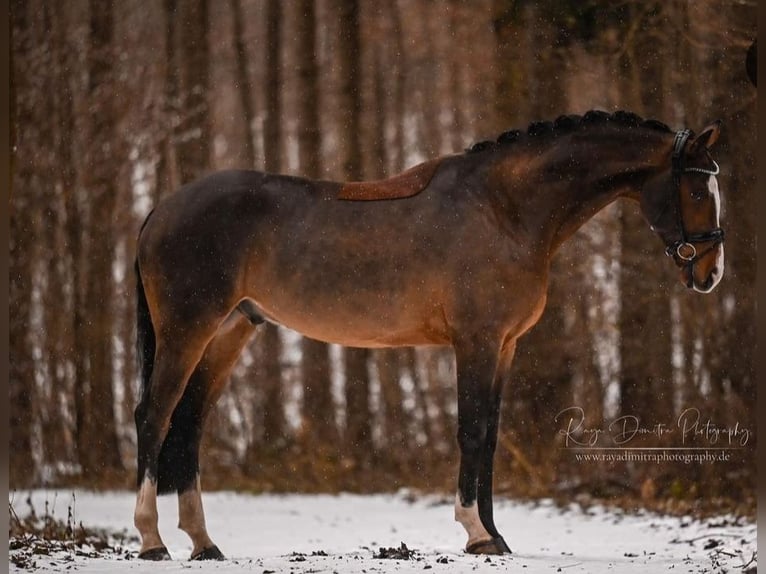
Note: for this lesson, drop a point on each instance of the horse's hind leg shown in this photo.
(183, 441)
(174, 363)
(177, 355)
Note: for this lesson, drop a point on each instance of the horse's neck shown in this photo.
(581, 200)
(574, 186)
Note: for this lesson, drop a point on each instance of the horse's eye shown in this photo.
(699, 194)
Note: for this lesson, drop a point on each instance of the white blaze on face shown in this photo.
(712, 185)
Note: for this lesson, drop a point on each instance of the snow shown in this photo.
(340, 534)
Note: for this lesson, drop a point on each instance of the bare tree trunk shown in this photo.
(99, 447)
(395, 429)
(440, 430)
(272, 133)
(21, 365)
(243, 78)
(349, 54)
(456, 66)
(187, 90)
(398, 73)
(358, 437)
(646, 382)
(512, 96)
(274, 426)
(168, 178)
(50, 270)
(319, 427)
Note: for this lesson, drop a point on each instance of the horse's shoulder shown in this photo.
(406, 184)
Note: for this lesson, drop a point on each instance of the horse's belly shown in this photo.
(355, 323)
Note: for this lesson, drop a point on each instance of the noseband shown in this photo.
(684, 248)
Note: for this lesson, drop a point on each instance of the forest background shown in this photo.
(116, 104)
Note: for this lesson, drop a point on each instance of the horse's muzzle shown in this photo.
(704, 284)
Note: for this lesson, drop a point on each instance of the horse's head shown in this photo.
(683, 207)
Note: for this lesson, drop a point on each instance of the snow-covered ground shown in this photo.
(341, 534)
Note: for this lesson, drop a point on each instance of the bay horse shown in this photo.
(455, 251)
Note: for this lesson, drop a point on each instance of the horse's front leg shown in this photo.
(502, 375)
(478, 415)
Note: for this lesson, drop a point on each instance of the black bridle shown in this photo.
(684, 248)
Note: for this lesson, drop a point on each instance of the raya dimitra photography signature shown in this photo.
(690, 429)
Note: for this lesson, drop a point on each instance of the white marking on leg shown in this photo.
(468, 516)
(191, 518)
(145, 517)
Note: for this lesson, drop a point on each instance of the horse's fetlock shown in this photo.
(192, 529)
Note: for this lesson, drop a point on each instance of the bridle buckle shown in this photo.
(686, 251)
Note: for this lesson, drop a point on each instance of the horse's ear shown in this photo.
(708, 136)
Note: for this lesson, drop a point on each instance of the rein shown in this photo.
(684, 248)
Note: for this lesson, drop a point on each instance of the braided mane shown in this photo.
(568, 123)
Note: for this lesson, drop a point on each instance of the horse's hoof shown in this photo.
(211, 553)
(493, 546)
(155, 554)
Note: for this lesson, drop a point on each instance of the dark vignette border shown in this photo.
(5, 174)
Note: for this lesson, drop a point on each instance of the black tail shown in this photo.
(146, 344)
(145, 340)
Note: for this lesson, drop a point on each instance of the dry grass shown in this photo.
(36, 537)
